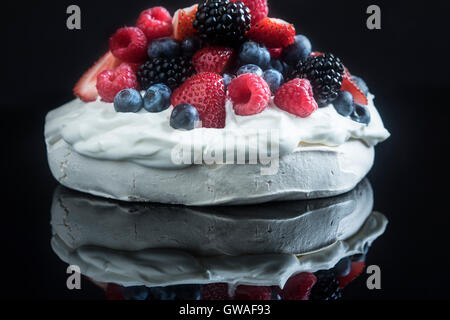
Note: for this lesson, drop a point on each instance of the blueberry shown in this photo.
(184, 116)
(361, 84)
(343, 267)
(280, 65)
(190, 45)
(361, 114)
(164, 47)
(299, 50)
(362, 256)
(250, 68)
(135, 293)
(157, 98)
(254, 53)
(344, 103)
(179, 292)
(128, 100)
(227, 79)
(274, 79)
(161, 293)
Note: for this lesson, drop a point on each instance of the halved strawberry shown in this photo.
(182, 21)
(213, 59)
(348, 84)
(357, 269)
(273, 33)
(85, 89)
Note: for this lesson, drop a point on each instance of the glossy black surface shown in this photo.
(403, 65)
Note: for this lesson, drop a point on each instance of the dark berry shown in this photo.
(281, 66)
(344, 103)
(135, 293)
(157, 98)
(254, 53)
(190, 45)
(128, 100)
(274, 79)
(343, 267)
(184, 116)
(361, 84)
(299, 50)
(360, 114)
(227, 79)
(325, 73)
(250, 68)
(326, 287)
(222, 21)
(171, 72)
(164, 48)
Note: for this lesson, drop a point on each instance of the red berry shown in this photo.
(316, 54)
(298, 287)
(206, 92)
(129, 44)
(275, 52)
(114, 292)
(258, 9)
(250, 94)
(273, 33)
(155, 22)
(252, 293)
(212, 59)
(296, 97)
(182, 22)
(215, 291)
(357, 269)
(109, 82)
(85, 88)
(348, 84)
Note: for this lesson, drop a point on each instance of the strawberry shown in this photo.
(252, 293)
(215, 291)
(155, 22)
(296, 97)
(110, 82)
(114, 292)
(206, 92)
(298, 287)
(212, 59)
(250, 94)
(348, 84)
(129, 44)
(357, 269)
(85, 89)
(258, 9)
(182, 22)
(273, 33)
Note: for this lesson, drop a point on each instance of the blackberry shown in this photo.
(326, 287)
(169, 71)
(222, 21)
(325, 73)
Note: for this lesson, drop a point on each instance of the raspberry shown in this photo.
(298, 287)
(258, 9)
(155, 22)
(252, 293)
(250, 94)
(109, 82)
(296, 97)
(129, 45)
(273, 33)
(212, 59)
(215, 291)
(206, 92)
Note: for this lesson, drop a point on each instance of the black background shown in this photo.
(405, 64)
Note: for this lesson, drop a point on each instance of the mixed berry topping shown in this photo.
(217, 50)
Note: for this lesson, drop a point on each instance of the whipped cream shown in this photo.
(96, 130)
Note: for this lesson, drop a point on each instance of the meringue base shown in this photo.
(310, 172)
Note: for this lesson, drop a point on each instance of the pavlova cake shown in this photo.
(219, 104)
